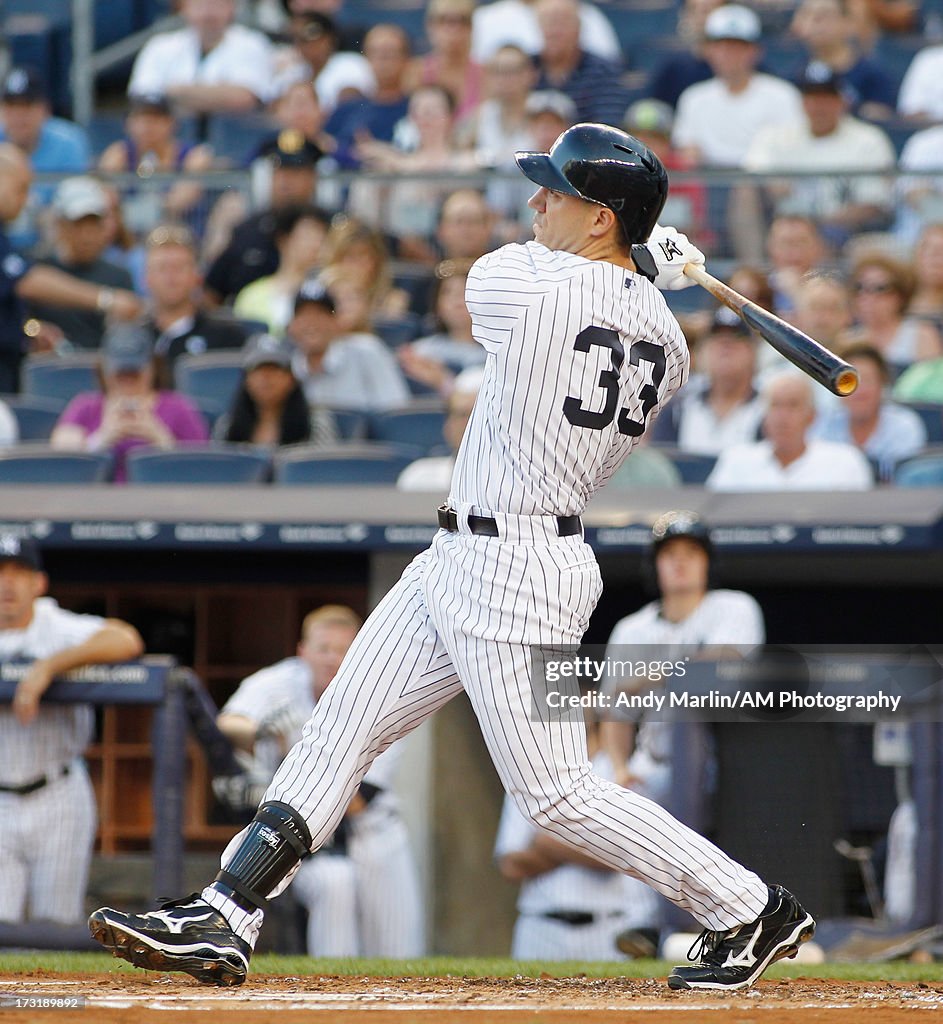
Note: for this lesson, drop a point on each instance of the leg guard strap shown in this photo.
(276, 840)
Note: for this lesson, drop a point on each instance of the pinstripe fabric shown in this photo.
(46, 837)
(364, 903)
(467, 611)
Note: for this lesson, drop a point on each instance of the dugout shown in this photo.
(221, 578)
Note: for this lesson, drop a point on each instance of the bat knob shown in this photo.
(846, 382)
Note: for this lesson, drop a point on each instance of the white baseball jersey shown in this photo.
(580, 355)
(47, 836)
(368, 902)
(615, 900)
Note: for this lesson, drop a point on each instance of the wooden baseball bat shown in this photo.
(839, 377)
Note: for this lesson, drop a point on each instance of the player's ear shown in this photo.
(604, 220)
(40, 584)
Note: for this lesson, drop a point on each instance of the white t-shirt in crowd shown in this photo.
(823, 466)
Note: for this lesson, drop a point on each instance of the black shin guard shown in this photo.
(277, 839)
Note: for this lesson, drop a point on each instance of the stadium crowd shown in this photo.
(317, 303)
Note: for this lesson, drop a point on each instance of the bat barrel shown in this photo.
(808, 355)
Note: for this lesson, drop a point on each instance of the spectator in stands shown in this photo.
(922, 382)
(21, 282)
(433, 473)
(515, 21)
(874, 18)
(51, 144)
(435, 360)
(358, 255)
(828, 31)
(722, 408)
(297, 109)
(408, 209)
(80, 207)
(927, 299)
(827, 139)
(251, 252)
(795, 247)
(717, 119)
(885, 431)
(9, 428)
(499, 127)
(593, 83)
(449, 61)
(651, 121)
(883, 287)
(678, 69)
(128, 412)
(338, 370)
(210, 66)
(46, 797)
(822, 308)
(920, 199)
(300, 232)
(176, 320)
(921, 92)
(787, 459)
(151, 145)
(270, 407)
(388, 50)
(314, 57)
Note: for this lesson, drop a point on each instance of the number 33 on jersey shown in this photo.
(582, 356)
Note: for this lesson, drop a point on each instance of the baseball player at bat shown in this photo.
(582, 351)
(47, 805)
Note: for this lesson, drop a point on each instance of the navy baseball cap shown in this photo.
(315, 292)
(726, 319)
(817, 76)
(680, 523)
(22, 550)
(126, 346)
(24, 84)
(290, 148)
(150, 102)
(267, 350)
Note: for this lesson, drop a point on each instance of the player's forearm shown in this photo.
(239, 730)
(523, 864)
(115, 641)
(559, 853)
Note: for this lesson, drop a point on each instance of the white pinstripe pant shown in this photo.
(464, 615)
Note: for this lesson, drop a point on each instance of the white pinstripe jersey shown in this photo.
(60, 732)
(581, 355)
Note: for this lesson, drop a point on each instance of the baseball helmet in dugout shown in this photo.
(606, 166)
(680, 523)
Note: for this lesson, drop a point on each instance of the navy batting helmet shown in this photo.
(605, 166)
(680, 524)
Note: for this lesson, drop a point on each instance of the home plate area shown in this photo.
(129, 999)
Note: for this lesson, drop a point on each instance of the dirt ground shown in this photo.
(149, 997)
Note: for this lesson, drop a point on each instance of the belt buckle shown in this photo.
(448, 518)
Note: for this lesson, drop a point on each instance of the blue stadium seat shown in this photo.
(932, 415)
(397, 330)
(216, 464)
(351, 424)
(59, 378)
(37, 464)
(35, 417)
(214, 376)
(363, 463)
(419, 425)
(694, 468)
(923, 470)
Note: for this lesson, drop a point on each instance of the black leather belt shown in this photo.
(36, 784)
(578, 918)
(485, 526)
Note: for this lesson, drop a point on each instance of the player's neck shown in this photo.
(603, 249)
(677, 607)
